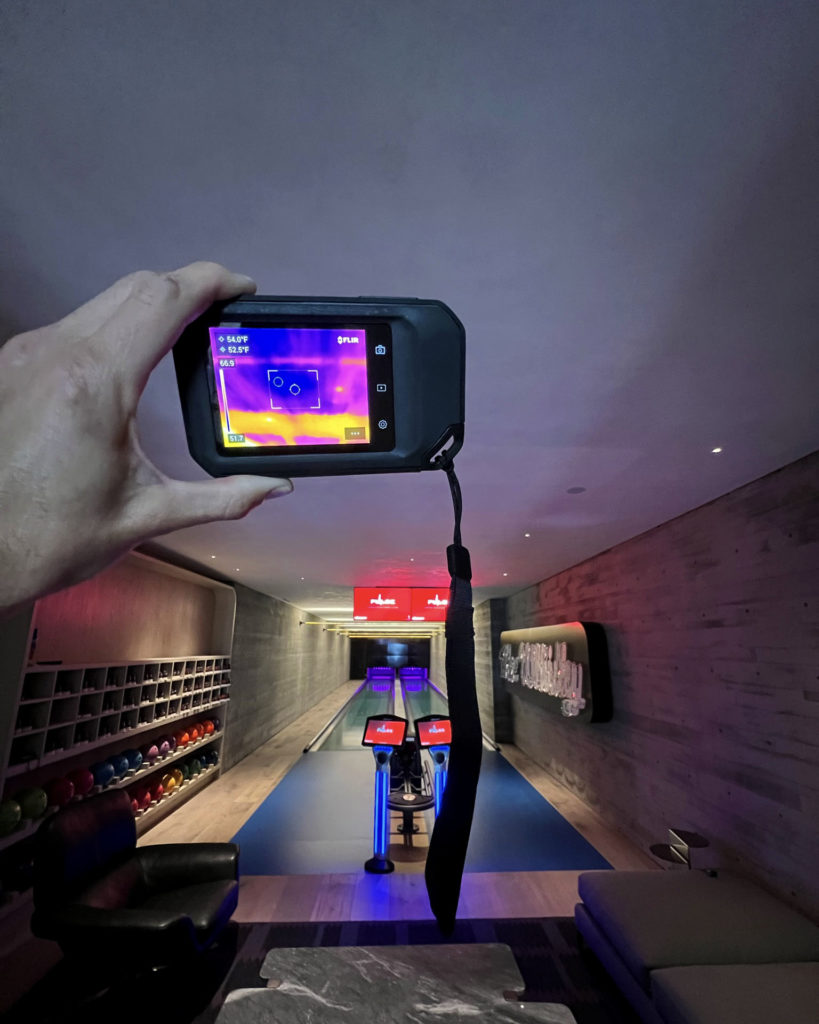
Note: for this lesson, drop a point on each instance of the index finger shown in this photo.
(155, 308)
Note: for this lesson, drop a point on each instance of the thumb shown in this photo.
(175, 504)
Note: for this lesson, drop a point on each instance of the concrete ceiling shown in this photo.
(618, 199)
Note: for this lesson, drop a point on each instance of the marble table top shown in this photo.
(390, 985)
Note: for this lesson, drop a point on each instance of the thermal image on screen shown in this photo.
(283, 386)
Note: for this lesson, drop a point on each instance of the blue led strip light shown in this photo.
(381, 818)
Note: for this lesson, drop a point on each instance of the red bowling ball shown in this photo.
(143, 797)
(82, 780)
(59, 792)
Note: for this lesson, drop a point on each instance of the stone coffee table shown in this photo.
(438, 984)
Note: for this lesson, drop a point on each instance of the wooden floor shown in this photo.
(220, 811)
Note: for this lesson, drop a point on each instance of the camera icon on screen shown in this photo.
(380, 350)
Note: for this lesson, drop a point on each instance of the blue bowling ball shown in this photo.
(134, 759)
(121, 765)
(103, 772)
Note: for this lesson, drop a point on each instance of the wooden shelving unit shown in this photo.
(143, 625)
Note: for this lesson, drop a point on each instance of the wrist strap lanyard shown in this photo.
(450, 836)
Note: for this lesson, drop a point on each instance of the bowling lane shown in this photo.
(375, 697)
(422, 698)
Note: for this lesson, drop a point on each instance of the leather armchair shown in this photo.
(102, 898)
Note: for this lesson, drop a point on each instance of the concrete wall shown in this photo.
(279, 670)
(713, 629)
(494, 704)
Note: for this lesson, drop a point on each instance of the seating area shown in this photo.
(105, 901)
(692, 947)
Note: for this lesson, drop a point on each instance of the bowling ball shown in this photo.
(208, 727)
(168, 782)
(178, 777)
(33, 801)
(195, 732)
(134, 759)
(217, 725)
(150, 752)
(103, 772)
(183, 738)
(143, 797)
(195, 765)
(185, 769)
(164, 747)
(10, 815)
(83, 781)
(121, 765)
(59, 792)
(134, 806)
(212, 757)
(157, 791)
(171, 742)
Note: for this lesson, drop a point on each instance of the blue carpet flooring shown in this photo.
(319, 820)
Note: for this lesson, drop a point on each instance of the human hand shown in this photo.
(76, 489)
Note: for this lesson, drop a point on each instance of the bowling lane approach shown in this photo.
(319, 818)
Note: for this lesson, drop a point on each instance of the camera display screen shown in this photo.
(302, 388)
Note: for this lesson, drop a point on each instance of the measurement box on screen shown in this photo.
(291, 386)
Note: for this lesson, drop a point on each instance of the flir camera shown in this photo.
(322, 386)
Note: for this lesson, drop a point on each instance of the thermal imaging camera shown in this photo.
(294, 387)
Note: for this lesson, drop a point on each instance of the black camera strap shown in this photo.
(450, 836)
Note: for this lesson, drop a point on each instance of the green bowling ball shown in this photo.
(10, 815)
(33, 801)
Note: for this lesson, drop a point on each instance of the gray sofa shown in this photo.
(686, 947)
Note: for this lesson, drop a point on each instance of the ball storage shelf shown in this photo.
(68, 710)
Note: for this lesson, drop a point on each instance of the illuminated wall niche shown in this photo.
(563, 668)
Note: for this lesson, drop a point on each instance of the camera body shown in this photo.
(290, 386)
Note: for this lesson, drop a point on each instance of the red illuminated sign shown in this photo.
(381, 604)
(387, 731)
(429, 604)
(433, 734)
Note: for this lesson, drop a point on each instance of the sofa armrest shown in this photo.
(102, 931)
(175, 865)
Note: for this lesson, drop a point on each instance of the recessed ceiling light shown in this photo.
(716, 451)
(506, 574)
(213, 556)
(302, 579)
(237, 570)
(527, 535)
(412, 559)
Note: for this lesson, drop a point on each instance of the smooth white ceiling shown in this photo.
(618, 199)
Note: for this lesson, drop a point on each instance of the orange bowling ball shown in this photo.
(195, 732)
(208, 726)
(183, 738)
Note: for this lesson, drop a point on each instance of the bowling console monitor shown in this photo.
(384, 730)
(433, 731)
(320, 387)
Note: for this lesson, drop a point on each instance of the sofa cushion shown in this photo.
(678, 918)
(738, 994)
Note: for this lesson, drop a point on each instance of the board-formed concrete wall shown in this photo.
(279, 670)
(713, 629)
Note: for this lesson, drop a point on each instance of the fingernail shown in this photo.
(282, 487)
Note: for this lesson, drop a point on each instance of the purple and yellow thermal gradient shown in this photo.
(286, 386)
